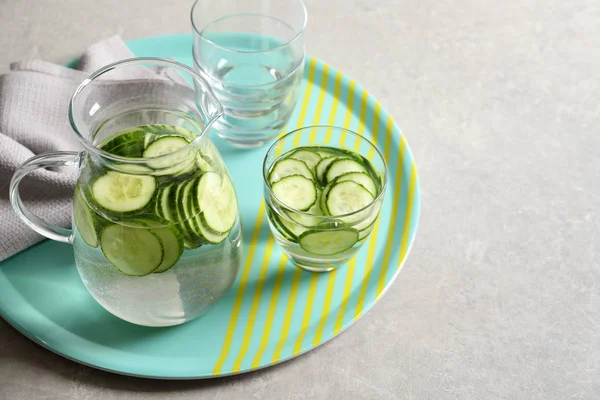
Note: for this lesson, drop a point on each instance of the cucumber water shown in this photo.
(323, 202)
(156, 229)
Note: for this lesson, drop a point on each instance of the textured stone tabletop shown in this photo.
(500, 297)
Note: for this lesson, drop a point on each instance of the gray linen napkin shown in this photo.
(34, 99)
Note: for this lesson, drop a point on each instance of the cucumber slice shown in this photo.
(342, 166)
(84, 219)
(208, 234)
(310, 158)
(292, 229)
(361, 178)
(296, 191)
(325, 153)
(347, 197)
(314, 211)
(362, 234)
(323, 199)
(288, 167)
(128, 144)
(181, 163)
(276, 224)
(165, 206)
(133, 251)
(120, 192)
(172, 247)
(216, 199)
(322, 168)
(328, 242)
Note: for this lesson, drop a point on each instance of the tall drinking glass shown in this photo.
(252, 54)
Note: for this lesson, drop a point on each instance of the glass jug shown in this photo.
(156, 232)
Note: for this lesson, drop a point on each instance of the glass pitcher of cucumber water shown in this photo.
(156, 232)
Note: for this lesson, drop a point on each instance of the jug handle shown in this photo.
(55, 159)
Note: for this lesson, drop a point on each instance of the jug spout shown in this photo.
(207, 103)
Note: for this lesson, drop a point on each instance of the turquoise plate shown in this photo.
(274, 311)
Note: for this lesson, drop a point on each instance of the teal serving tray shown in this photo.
(274, 311)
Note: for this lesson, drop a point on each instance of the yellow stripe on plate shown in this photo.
(334, 106)
(237, 304)
(339, 321)
(258, 292)
(264, 340)
(312, 290)
(326, 307)
(348, 117)
(407, 215)
(306, 101)
(375, 139)
(395, 202)
(320, 102)
(360, 304)
(289, 312)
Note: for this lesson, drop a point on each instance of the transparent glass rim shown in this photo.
(325, 217)
(92, 148)
(200, 32)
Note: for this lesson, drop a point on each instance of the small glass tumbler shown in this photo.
(323, 188)
(252, 54)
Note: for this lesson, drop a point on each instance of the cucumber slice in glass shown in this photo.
(296, 191)
(322, 168)
(207, 233)
(172, 247)
(83, 217)
(341, 167)
(128, 144)
(217, 201)
(183, 162)
(275, 221)
(289, 167)
(361, 178)
(120, 192)
(347, 197)
(310, 158)
(328, 242)
(133, 251)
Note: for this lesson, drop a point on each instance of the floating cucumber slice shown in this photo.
(289, 167)
(310, 158)
(311, 216)
(83, 217)
(347, 197)
(296, 192)
(172, 246)
(120, 192)
(133, 251)
(341, 167)
(217, 201)
(164, 146)
(275, 221)
(362, 179)
(208, 234)
(128, 144)
(328, 242)
(322, 166)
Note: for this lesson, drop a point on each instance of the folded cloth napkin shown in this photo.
(34, 100)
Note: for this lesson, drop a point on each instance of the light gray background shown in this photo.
(500, 298)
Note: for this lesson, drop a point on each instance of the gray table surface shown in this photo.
(500, 298)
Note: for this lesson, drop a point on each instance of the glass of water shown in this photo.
(252, 54)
